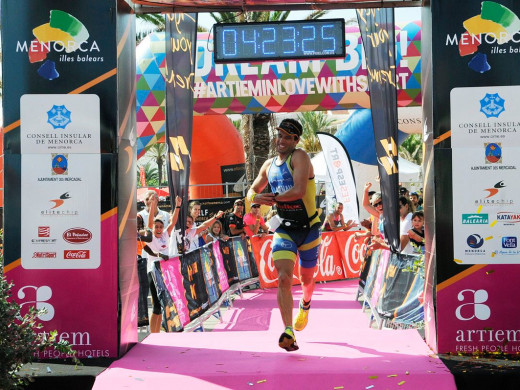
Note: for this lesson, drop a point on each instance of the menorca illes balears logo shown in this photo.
(63, 33)
(496, 24)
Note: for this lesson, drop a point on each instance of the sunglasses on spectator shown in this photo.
(239, 204)
(255, 206)
(378, 203)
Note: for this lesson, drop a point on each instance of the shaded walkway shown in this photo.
(337, 351)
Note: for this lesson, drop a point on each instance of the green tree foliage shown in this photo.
(412, 149)
(313, 122)
(151, 174)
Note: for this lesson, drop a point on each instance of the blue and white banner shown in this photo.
(341, 175)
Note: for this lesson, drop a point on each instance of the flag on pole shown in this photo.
(341, 175)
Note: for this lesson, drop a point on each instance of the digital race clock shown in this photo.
(263, 41)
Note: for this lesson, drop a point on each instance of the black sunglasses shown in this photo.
(256, 206)
(377, 204)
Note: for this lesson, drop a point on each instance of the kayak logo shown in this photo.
(475, 308)
(41, 295)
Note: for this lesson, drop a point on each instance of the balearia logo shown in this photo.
(474, 305)
(496, 25)
(64, 38)
(508, 218)
(492, 105)
(475, 219)
(58, 117)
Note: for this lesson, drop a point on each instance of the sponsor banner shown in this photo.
(91, 290)
(171, 321)
(288, 86)
(485, 115)
(194, 285)
(377, 30)
(59, 123)
(401, 298)
(221, 270)
(211, 277)
(474, 312)
(330, 266)
(486, 218)
(181, 39)
(379, 277)
(61, 214)
(352, 251)
(341, 174)
(241, 258)
(228, 259)
(234, 179)
(171, 272)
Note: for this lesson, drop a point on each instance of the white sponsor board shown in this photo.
(486, 205)
(61, 207)
(59, 123)
(341, 175)
(485, 114)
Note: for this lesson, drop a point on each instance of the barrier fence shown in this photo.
(192, 287)
(392, 287)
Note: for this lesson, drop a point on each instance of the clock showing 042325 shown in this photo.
(283, 40)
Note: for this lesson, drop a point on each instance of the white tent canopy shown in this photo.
(408, 171)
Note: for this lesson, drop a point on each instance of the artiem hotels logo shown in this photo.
(64, 34)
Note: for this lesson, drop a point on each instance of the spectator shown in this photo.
(416, 234)
(406, 224)
(194, 211)
(191, 239)
(234, 221)
(215, 233)
(253, 221)
(157, 251)
(144, 235)
(414, 198)
(403, 191)
(335, 221)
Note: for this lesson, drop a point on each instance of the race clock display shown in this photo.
(267, 41)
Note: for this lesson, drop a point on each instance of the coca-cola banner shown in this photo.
(340, 258)
(352, 251)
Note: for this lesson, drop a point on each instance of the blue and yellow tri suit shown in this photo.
(300, 227)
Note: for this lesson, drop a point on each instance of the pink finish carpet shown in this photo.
(337, 351)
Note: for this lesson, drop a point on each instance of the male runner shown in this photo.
(291, 178)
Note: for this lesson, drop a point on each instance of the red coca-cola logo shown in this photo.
(76, 254)
(77, 235)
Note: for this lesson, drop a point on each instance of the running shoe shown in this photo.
(302, 318)
(287, 340)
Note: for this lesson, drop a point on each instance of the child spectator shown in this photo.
(416, 234)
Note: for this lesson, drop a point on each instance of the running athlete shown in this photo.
(291, 178)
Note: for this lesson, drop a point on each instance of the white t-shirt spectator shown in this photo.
(405, 225)
(158, 245)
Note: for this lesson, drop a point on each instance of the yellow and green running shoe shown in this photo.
(302, 318)
(287, 340)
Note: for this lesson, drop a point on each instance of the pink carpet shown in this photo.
(337, 351)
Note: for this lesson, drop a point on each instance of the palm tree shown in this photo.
(148, 23)
(157, 152)
(151, 174)
(312, 122)
(255, 127)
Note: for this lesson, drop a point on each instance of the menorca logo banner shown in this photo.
(377, 31)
